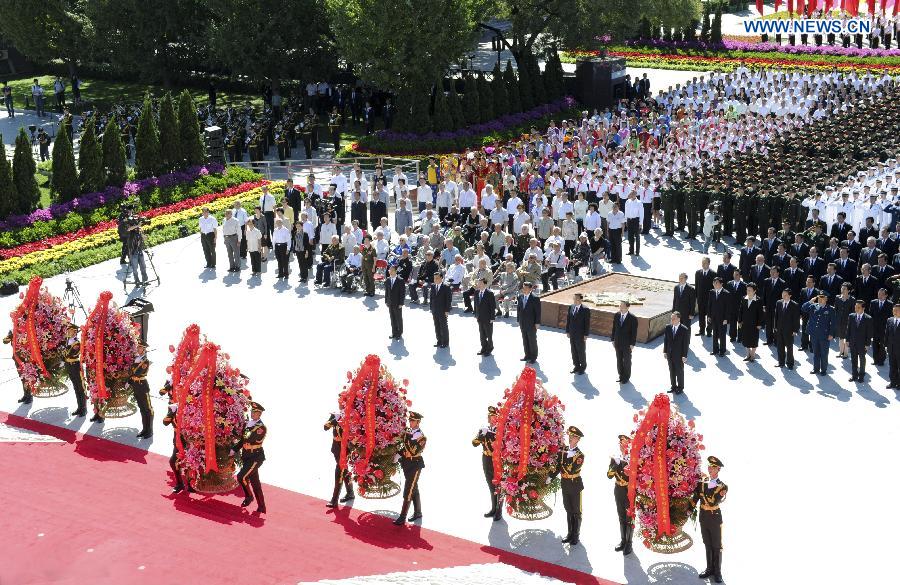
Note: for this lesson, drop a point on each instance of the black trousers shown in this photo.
(208, 241)
(577, 345)
(255, 261)
(281, 255)
(857, 362)
(615, 244)
(303, 263)
(441, 331)
(124, 255)
(648, 217)
(804, 334)
(270, 224)
(486, 335)
(243, 248)
(711, 532)
(248, 477)
(396, 315)
(411, 492)
(623, 362)
(551, 277)
(878, 352)
(487, 465)
(529, 342)
(785, 342)
(626, 526)
(142, 398)
(676, 372)
(340, 476)
(702, 321)
(732, 327)
(173, 463)
(634, 235)
(894, 371)
(571, 497)
(719, 332)
(73, 369)
(770, 324)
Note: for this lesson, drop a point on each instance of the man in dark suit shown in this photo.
(799, 249)
(485, 311)
(869, 254)
(813, 264)
(830, 283)
(718, 305)
(394, 297)
(839, 230)
(758, 271)
(770, 245)
(377, 210)
(852, 245)
(883, 271)
(675, 350)
(846, 267)
(892, 344)
(787, 322)
(748, 255)
(529, 317)
(578, 327)
(624, 336)
(866, 285)
(726, 269)
(684, 299)
(781, 259)
(737, 288)
(358, 210)
(880, 309)
(293, 196)
(807, 294)
(794, 277)
(771, 294)
(859, 337)
(703, 283)
(886, 244)
(440, 303)
(867, 231)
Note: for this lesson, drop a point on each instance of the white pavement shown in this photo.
(809, 460)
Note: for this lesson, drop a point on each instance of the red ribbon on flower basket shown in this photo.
(27, 309)
(187, 353)
(657, 416)
(207, 360)
(368, 372)
(99, 313)
(524, 387)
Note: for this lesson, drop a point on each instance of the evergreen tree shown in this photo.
(498, 89)
(715, 33)
(526, 91)
(512, 89)
(644, 28)
(114, 154)
(91, 176)
(471, 101)
(442, 119)
(193, 151)
(148, 156)
(537, 80)
(169, 136)
(556, 87)
(704, 24)
(690, 32)
(667, 34)
(8, 196)
(485, 100)
(655, 33)
(403, 118)
(420, 121)
(455, 107)
(24, 167)
(64, 180)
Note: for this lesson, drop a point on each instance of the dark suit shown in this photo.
(865, 233)
(787, 322)
(737, 290)
(887, 245)
(624, 336)
(866, 289)
(831, 255)
(839, 231)
(770, 248)
(726, 271)
(747, 259)
(358, 212)
(831, 285)
(529, 317)
(758, 274)
(685, 302)
(799, 251)
(869, 256)
(892, 344)
(440, 305)
(485, 311)
(718, 306)
(675, 346)
(859, 337)
(395, 296)
(853, 248)
(794, 280)
(883, 273)
(703, 283)
(847, 268)
(881, 312)
(294, 198)
(814, 266)
(782, 262)
(771, 294)
(578, 327)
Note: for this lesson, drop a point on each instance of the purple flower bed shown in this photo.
(91, 201)
(728, 45)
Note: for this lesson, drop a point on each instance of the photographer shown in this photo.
(711, 220)
(136, 246)
(124, 214)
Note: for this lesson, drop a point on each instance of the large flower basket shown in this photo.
(212, 404)
(375, 409)
(530, 429)
(109, 346)
(664, 465)
(39, 340)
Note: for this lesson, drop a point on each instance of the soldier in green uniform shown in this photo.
(571, 461)
(340, 475)
(252, 457)
(368, 265)
(667, 199)
(786, 234)
(741, 206)
(141, 390)
(306, 134)
(618, 471)
(73, 368)
(792, 213)
(412, 464)
(710, 493)
(171, 418)
(335, 122)
(485, 439)
(26, 392)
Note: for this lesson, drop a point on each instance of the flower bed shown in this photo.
(530, 430)
(375, 410)
(39, 340)
(390, 143)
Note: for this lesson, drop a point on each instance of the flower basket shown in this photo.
(665, 463)
(530, 429)
(212, 403)
(39, 340)
(109, 346)
(375, 409)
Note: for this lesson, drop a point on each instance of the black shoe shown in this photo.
(486, 354)
(619, 380)
(331, 504)
(468, 310)
(624, 381)
(524, 359)
(480, 353)
(566, 539)
(722, 354)
(671, 391)
(80, 412)
(348, 498)
(705, 574)
(717, 578)
(627, 551)
(147, 435)
(573, 542)
(747, 359)
(178, 489)
(260, 509)
(852, 378)
(814, 372)
(437, 344)
(489, 514)
(415, 517)
(246, 501)
(620, 547)
(698, 334)
(780, 366)
(99, 419)
(574, 371)
(399, 522)
(712, 353)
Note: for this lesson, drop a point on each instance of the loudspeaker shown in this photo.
(600, 81)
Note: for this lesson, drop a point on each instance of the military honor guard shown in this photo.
(73, 368)
(571, 461)
(411, 463)
(710, 493)
(141, 390)
(171, 418)
(252, 457)
(618, 471)
(340, 475)
(578, 327)
(26, 393)
(485, 440)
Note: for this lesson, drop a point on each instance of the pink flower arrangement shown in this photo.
(50, 318)
(120, 347)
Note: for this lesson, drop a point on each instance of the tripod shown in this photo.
(72, 298)
(149, 255)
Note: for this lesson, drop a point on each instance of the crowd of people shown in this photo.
(884, 30)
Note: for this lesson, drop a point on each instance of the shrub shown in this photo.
(64, 180)
(114, 154)
(91, 176)
(147, 158)
(27, 193)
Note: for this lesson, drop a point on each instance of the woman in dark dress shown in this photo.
(843, 306)
(750, 320)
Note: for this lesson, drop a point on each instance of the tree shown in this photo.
(553, 77)
(442, 119)
(8, 196)
(715, 33)
(147, 156)
(455, 107)
(512, 89)
(64, 179)
(114, 154)
(704, 25)
(690, 32)
(91, 176)
(24, 168)
(498, 90)
(537, 81)
(526, 91)
(485, 100)
(644, 28)
(49, 29)
(471, 101)
(169, 135)
(193, 151)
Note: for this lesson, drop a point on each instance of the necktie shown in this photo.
(859, 318)
(674, 329)
(717, 294)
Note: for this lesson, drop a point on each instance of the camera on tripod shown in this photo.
(130, 217)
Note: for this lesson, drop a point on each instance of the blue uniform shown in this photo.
(821, 323)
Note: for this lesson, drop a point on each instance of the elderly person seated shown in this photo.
(581, 254)
(510, 283)
(497, 240)
(428, 222)
(482, 272)
(382, 247)
(331, 256)
(599, 246)
(456, 273)
(530, 271)
(348, 240)
(402, 245)
(424, 278)
(554, 266)
(448, 254)
(353, 267)
(404, 265)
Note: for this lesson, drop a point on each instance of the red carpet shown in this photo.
(92, 511)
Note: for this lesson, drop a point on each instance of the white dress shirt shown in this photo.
(208, 224)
